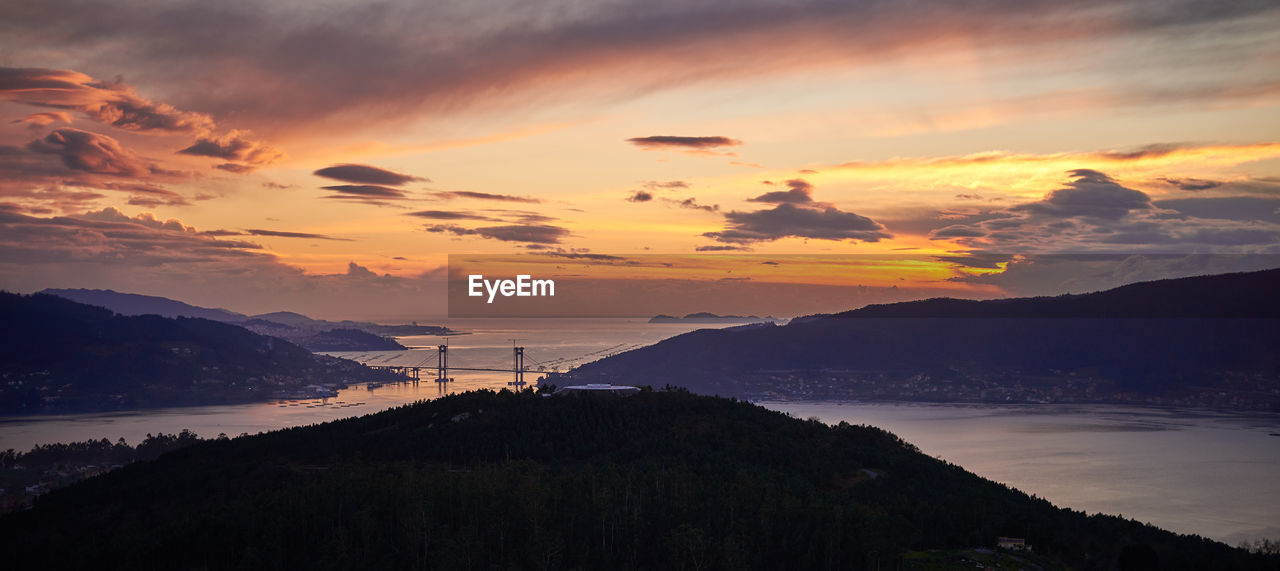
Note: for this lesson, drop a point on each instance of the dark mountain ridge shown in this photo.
(1239, 295)
(57, 355)
(1204, 341)
(312, 334)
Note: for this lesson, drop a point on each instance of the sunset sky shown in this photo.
(328, 157)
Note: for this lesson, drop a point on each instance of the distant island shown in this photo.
(311, 334)
(1206, 341)
(59, 356)
(704, 317)
(484, 480)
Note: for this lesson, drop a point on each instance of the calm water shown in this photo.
(1189, 471)
(1212, 474)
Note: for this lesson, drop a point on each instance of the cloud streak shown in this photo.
(282, 234)
(452, 194)
(527, 233)
(366, 174)
(673, 142)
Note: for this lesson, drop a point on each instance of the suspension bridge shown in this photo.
(521, 363)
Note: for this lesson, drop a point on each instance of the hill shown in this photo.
(1203, 341)
(57, 355)
(1241, 295)
(312, 334)
(661, 480)
(136, 304)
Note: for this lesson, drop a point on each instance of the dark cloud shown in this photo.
(56, 171)
(365, 174)
(450, 195)
(531, 233)
(235, 168)
(1227, 208)
(1191, 184)
(797, 215)
(91, 152)
(108, 249)
(1267, 186)
(1094, 212)
(801, 192)
(280, 234)
(269, 63)
(668, 185)
(692, 204)
(365, 191)
(981, 260)
(958, 231)
(234, 146)
(1232, 236)
(109, 236)
(724, 248)
(666, 142)
(449, 215)
(1091, 194)
(223, 233)
(640, 196)
(521, 216)
(1147, 152)
(969, 196)
(113, 103)
(583, 256)
(153, 202)
(142, 194)
(791, 221)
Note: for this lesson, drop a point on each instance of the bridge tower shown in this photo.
(518, 369)
(442, 364)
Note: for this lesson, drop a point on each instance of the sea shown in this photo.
(1208, 473)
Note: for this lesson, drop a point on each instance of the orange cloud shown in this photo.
(115, 104)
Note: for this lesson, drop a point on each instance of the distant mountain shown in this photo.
(1242, 295)
(288, 318)
(659, 480)
(1203, 341)
(136, 304)
(705, 317)
(312, 334)
(57, 355)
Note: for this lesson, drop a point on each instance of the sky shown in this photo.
(329, 157)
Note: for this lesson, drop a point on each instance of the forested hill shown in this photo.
(1240, 295)
(1204, 341)
(57, 355)
(661, 480)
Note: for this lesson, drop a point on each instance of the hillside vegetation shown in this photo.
(661, 480)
